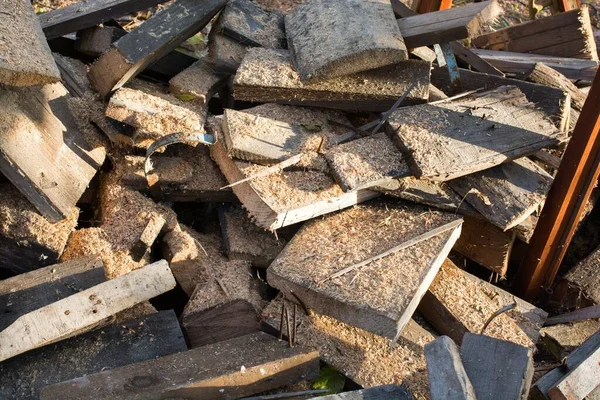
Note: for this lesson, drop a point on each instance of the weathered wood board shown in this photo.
(199, 82)
(366, 162)
(225, 54)
(269, 76)
(134, 341)
(26, 58)
(150, 41)
(545, 75)
(562, 339)
(448, 379)
(506, 194)
(364, 357)
(331, 39)
(444, 141)
(384, 392)
(209, 372)
(73, 73)
(581, 380)
(96, 40)
(497, 369)
(381, 296)
(580, 287)
(37, 125)
(82, 15)
(567, 34)
(250, 24)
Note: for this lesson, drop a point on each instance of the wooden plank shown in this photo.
(73, 74)
(284, 198)
(544, 75)
(225, 54)
(579, 287)
(253, 25)
(84, 310)
(562, 339)
(96, 40)
(24, 65)
(209, 372)
(580, 381)
(149, 42)
(567, 34)
(448, 379)
(384, 392)
(145, 338)
(199, 82)
(279, 82)
(565, 203)
(548, 159)
(497, 369)
(506, 194)
(442, 142)
(457, 303)
(78, 16)
(37, 125)
(574, 316)
(361, 36)
(393, 284)
(518, 63)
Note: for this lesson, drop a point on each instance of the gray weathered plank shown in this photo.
(545, 75)
(447, 376)
(580, 287)
(252, 25)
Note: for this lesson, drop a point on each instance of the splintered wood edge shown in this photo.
(587, 32)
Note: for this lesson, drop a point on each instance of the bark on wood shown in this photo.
(252, 25)
(544, 75)
(84, 310)
(375, 90)
(134, 341)
(393, 285)
(209, 372)
(150, 41)
(580, 287)
(567, 34)
(498, 369)
(332, 39)
(24, 64)
(448, 379)
(385, 392)
(198, 82)
(96, 40)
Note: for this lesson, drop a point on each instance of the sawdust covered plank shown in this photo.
(567, 34)
(364, 357)
(209, 372)
(580, 287)
(26, 58)
(506, 194)
(253, 25)
(545, 75)
(331, 39)
(84, 310)
(74, 75)
(562, 339)
(150, 41)
(43, 152)
(389, 392)
(121, 344)
(199, 82)
(269, 76)
(381, 296)
(448, 140)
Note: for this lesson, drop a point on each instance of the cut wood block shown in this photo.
(580, 381)
(236, 368)
(199, 83)
(282, 198)
(96, 40)
(78, 16)
(567, 34)
(84, 310)
(518, 63)
(458, 302)
(145, 338)
(331, 39)
(360, 355)
(382, 294)
(26, 58)
(252, 25)
(37, 125)
(150, 41)
(28, 240)
(366, 162)
(225, 54)
(545, 75)
(560, 340)
(506, 194)
(580, 287)
(442, 142)
(486, 244)
(497, 369)
(447, 376)
(554, 102)
(384, 392)
(447, 25)
(243, 240)
(269, 76)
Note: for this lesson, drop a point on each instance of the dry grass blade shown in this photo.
(271, 170)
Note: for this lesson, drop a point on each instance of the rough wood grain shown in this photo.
(144, 338)
(199, 82)
(448, 379)
(331, 39)
(250, 24)
(580, 287)
(225, 54)
(580, 381)
(545, 75)
(96, 40)
(497, 369)
(84, 310)
(269, 76)
(26, 59)
(209, 372)
(560, 340)
(381, 296)
(385, 392)
(448, 140)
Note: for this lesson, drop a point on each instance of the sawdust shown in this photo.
(197, 83)
(283, 6)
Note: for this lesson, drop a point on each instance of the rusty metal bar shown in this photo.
(426, 6)
(566, 200)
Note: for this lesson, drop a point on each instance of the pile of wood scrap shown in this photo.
(259, 199)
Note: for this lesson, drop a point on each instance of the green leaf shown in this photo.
(330, 379)
(186, 97)
(311, 128)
